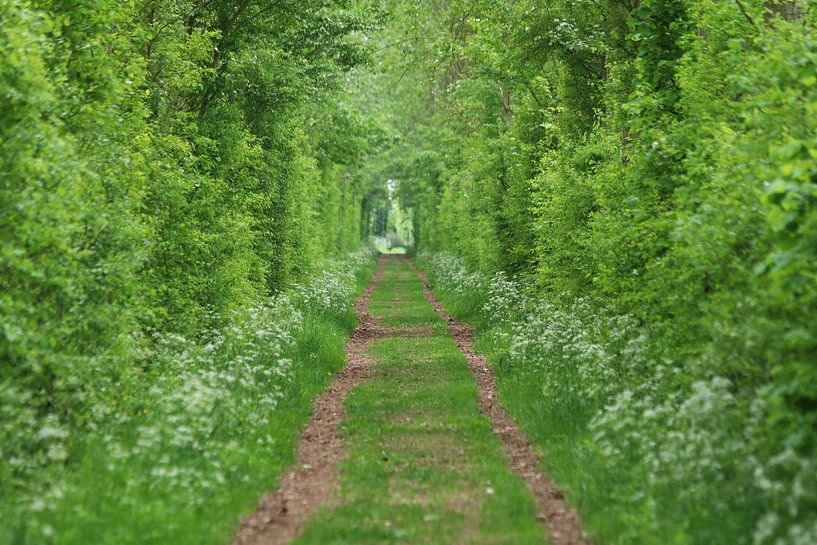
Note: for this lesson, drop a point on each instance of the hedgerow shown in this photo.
(641, 163)
(165, 176)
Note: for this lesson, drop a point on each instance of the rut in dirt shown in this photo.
(560, 519)
(312, 480)
(312, 483)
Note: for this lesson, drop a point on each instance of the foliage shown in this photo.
(629, 185)
(653, 160)
(192, 440)
(163, 168)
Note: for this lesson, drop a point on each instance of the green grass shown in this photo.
(602, 492)
(116, 513)
(424, 466)
(400, 301)
(120, 504)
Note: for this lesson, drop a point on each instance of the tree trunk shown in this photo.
(787, 9)
(506, 106)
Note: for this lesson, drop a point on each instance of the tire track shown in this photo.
(313, 478)
(561, 521)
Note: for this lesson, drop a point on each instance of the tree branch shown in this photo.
(745, 13)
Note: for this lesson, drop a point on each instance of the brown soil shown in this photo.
(312, 480)
(380, 331)
(560, 520)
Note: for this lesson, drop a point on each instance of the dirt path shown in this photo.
(561, 521)
(390, 426)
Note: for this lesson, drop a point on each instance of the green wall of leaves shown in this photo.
(655, 158)
(162, 164)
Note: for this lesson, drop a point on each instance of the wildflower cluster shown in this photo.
(230, 381)
(565, 349)
(451, 272)
(505, 300)
(331, 289)
(684, 443)
(324, 293)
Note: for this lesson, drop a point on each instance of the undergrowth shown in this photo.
(651, 451)
(174, 451)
